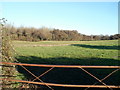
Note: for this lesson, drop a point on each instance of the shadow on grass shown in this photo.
(68, 75)
(96, 47)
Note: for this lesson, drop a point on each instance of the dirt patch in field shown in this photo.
(43, 45)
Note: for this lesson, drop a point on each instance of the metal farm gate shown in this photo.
(83, 68)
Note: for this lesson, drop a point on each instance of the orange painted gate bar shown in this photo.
(117, 68)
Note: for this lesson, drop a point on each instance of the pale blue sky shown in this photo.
(87, 17)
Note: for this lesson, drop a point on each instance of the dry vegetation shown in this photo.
(47, 34)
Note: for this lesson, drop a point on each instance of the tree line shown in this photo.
(42, 34)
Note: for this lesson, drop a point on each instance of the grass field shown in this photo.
(69, 53)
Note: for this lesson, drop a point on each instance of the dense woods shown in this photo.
(42, 34)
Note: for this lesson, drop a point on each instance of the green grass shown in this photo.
(77, 53)
(78, 50)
